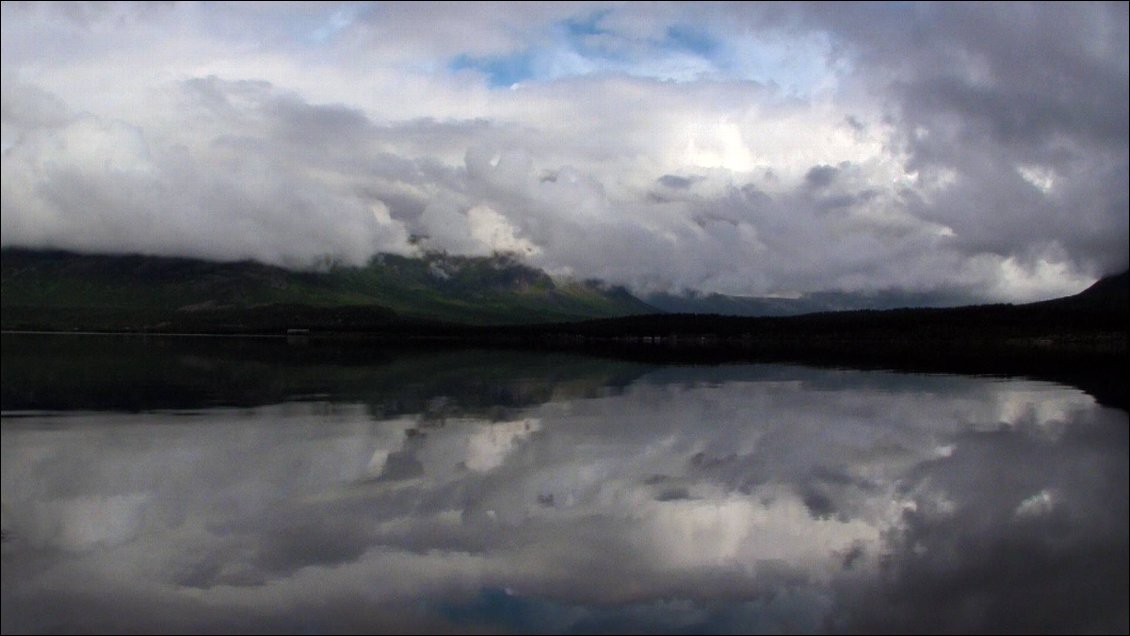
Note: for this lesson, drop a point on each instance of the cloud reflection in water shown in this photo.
(743, 499)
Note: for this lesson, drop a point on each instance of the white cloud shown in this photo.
(1038, 504)
(496, 233)
(233, 131)
(488, 448)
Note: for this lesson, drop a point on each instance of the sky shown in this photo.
(969, 150)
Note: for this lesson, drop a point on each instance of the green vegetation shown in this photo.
(499, 303)
(64, 291)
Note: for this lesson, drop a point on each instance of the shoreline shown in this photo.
(1097, 365)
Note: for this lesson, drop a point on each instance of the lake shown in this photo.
(218, 485)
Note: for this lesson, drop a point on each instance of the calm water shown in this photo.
(207, 485)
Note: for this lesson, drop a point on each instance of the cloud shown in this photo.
(676, 182)
(488, 449)
(249, 191)
(820, 176)
(858, 510)
(998, 569)
(972, 151)
(991, 91)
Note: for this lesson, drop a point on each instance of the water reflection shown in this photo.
(729, 499)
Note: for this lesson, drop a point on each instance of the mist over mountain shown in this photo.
(498, 301)
(55, 288)
(493, 289)
(1111, 293)
(721, 304)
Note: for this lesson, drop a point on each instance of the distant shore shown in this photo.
(1092, 357)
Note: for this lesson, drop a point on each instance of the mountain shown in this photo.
(726, 305)
(1101, 308)
(1080, 339)
(1111, 293)
(63, 290)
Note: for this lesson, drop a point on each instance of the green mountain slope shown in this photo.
(61, 290)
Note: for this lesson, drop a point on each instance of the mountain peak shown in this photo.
(497, 289)
(1108, 292)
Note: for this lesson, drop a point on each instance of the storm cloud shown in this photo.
(977, 150)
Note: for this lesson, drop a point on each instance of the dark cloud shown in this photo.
(676, 182)
(820, 176)
(994, 547)
(983, 93)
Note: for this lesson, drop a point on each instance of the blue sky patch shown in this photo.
(686, 38)
(580, 27)
(502, 71)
